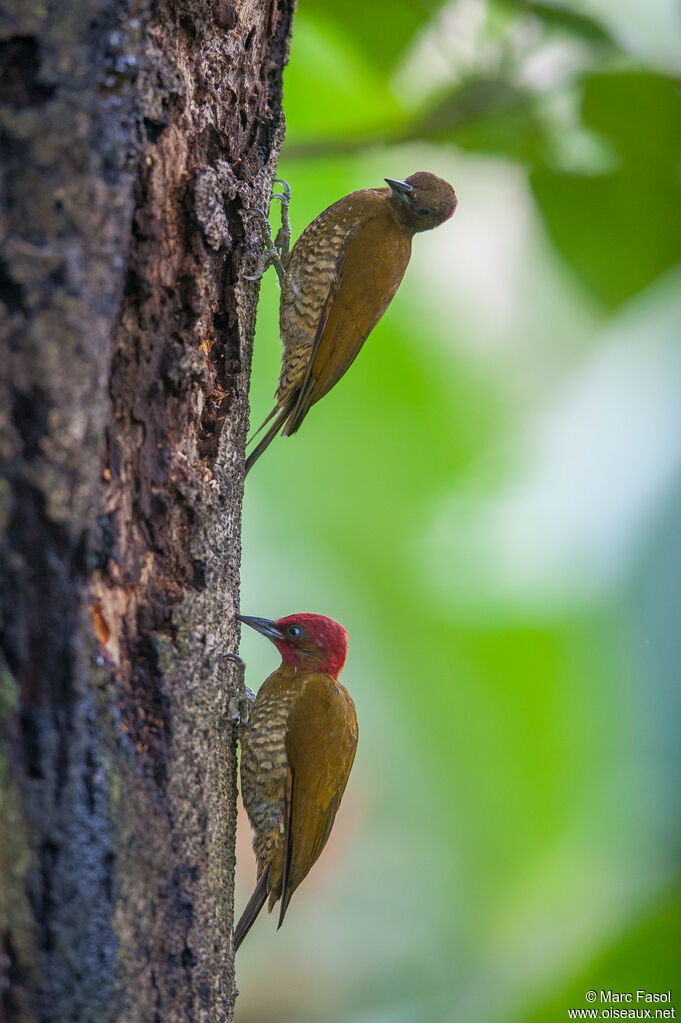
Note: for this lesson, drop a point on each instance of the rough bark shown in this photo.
(134, 134)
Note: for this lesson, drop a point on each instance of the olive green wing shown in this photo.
(367, 274)
(304, 396)
(320, 746)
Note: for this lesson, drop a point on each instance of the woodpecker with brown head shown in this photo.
(297, 749)
(337, 282)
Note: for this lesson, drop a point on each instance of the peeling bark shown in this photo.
(133, 137)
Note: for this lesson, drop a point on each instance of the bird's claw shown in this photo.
(271, 255)
(276, 250)
(283, 240)
(259, 213)
(286, 196)
(239, 707)
(240, 703)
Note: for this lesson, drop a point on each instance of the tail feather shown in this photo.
(262, 425)
(286, 889)
(253, 907)
(269, 436)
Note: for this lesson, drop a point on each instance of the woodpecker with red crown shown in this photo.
(337, 282)
(297, 749)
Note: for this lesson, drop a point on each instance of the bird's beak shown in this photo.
(400, 189)
(264, 625)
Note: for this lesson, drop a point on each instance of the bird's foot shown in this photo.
(283, 239)
(240, 704)
(270, 256)
(285, 196)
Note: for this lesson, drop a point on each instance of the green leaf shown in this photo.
(621, 230)
(487, 115)
(331, 89)
(563, 20)
(380, 32)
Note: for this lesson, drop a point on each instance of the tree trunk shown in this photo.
(134, 135)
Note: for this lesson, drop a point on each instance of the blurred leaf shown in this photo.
(482, 114)
(621, 230)
(563, 19)
(380, 32)
(644, 958)
(569, 21)
(641, 113)
(332, 88)
(490, 116)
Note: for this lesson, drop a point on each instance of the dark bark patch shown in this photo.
(30, 417)
(199, 575)
(30, 734)
(88, 775)
(225, 14)
(48, 855)
(143, 706)
(154, 129)
(108, 875)
(11, 293)
(13, 979)
(20, 84)
(39, 601)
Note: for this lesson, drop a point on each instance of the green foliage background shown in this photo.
(489, 502)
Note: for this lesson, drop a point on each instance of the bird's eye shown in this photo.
(423, 211)
(294, 631)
